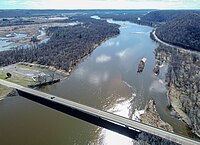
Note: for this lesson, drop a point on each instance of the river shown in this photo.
(108, 80)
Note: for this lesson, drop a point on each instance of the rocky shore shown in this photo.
(151, 117)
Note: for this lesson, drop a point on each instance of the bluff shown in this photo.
(183, 31)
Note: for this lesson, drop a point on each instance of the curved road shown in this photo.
(174, 46)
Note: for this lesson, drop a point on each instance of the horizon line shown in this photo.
(96, 9)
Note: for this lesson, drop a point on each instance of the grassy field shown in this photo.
(4, 91)
(15, 79)
(24, 81)
(33, 68)
(22, 75)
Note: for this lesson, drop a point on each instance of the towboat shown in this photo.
(141, 65)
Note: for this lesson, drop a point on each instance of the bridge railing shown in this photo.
(101, 118)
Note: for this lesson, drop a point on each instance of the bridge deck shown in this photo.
(118, 120)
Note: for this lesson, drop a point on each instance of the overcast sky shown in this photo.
(100, 4)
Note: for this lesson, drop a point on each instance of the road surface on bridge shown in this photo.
(105, 115)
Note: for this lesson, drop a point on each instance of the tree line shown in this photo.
(67, 45)
(183, 31)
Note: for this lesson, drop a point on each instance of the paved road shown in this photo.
(173, 46)
(105, 115)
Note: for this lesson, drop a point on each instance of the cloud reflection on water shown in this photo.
(111, 43)
(121, 53)
(157, 86)
(94, 78)
(103, 58)
(98, 78)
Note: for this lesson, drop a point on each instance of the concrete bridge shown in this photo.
(103, 119)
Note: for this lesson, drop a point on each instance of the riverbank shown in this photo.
(182, 82)
(151, 117)
(27, 80)
(4, 91)
(67, 45)
(174, 97)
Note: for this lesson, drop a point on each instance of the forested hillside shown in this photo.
(183, 31)
(162, 16)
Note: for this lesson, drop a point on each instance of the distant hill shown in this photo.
(162, 16)
(183, 31)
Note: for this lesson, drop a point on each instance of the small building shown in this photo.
(41, 77)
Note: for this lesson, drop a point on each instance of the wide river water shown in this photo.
(107, 80)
